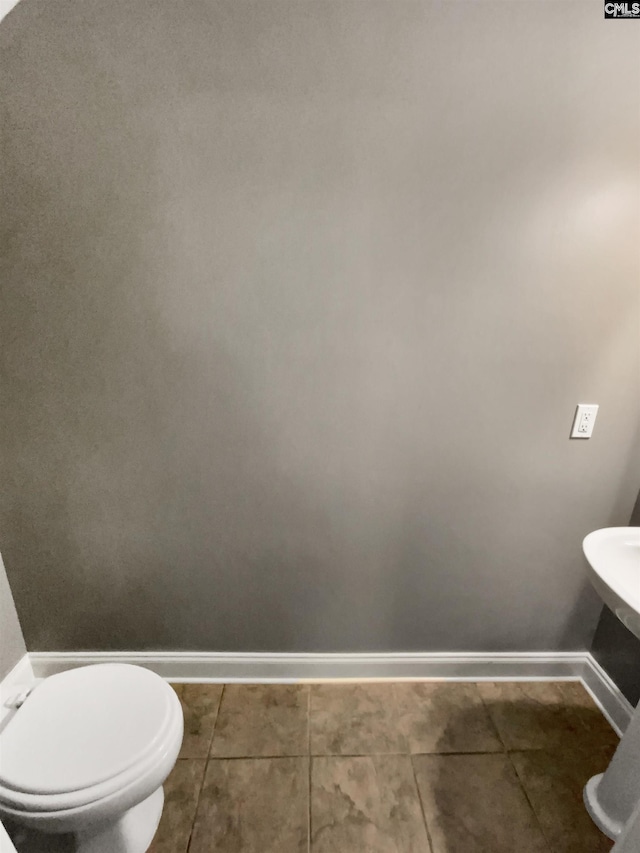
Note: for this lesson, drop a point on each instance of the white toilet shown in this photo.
(87, 754)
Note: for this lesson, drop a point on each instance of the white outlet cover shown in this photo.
(584, 420)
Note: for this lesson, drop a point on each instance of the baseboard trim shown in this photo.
(607, 695)
(293, 667)
(239, 667)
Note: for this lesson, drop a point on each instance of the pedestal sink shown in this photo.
(612, 798)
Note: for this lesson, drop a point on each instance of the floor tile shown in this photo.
(262, 720)
(475, 804)
(445, 717)
(554, 781)
(181, 791)
(367, 803)
(539, 715)
(354, 719)
(200, 707)
(253, 805)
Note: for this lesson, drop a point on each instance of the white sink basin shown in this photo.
(613, 555)
(612, 798)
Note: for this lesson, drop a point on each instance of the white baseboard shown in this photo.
(292, 667)
(241, 667)
(607, 695)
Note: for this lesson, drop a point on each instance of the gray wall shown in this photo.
(616, 648)
(298, 299)
(12, 646)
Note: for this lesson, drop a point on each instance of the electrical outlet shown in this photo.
(584, 420)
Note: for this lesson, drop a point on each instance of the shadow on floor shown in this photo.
(527, 797)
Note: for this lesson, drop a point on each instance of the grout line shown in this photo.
(308, 720)
(523, 788)
(462, 752)
(254, 757)
(250, 757)
(487, 708)
(204, 774)
(399, 719)
(309, 768)
(195, 812)
(422, 811)
(310, 820)
(215, 721)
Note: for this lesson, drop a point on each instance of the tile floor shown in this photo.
(385, 768)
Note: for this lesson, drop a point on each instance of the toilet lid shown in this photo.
(83, 727)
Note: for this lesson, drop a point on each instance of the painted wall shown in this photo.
(616, 648)
(12, 646)
(298, 300)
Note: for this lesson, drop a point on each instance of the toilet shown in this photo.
(87, 754)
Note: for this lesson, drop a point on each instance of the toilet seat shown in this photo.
(84, 734)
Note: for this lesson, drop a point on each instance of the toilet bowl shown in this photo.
(87, 754)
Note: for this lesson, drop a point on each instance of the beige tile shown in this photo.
(354, 719)
(445, 717)
(554, 781)
(367, 803)
(181, 791)
(475, 804)
(538, 715)
(253, 805)
(262, 720)
(200, 707)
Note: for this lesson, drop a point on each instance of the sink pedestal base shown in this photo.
(601, 819)
(612, 797)
(629, 840)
